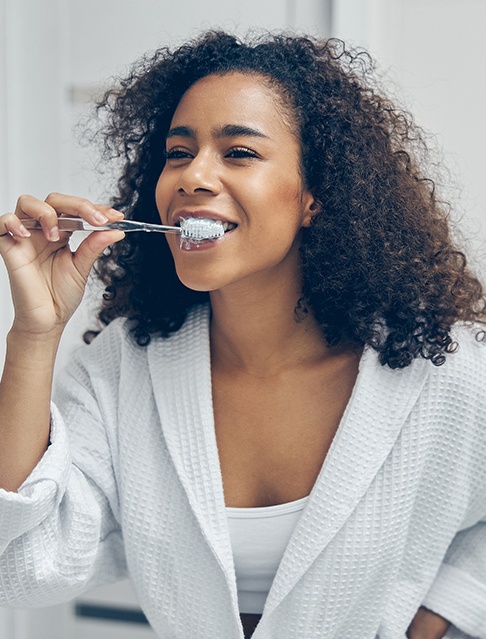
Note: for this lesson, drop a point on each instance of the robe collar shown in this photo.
(381, 400)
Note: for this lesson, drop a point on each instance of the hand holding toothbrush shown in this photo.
(47, 278)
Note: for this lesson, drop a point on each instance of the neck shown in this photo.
(262, 335)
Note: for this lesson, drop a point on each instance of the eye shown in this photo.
(241, 152)
(177, 154)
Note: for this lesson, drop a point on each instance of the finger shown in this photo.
(47, 212)
(92, 248)
(29, 206)
(78, 207)
(11, 226)
(111, 213)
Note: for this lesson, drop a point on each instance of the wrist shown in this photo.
(31, 349)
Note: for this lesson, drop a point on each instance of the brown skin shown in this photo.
(427, 625)
(279, 391)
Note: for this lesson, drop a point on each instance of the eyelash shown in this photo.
(238, 152)
(241, 152)
(175, 154)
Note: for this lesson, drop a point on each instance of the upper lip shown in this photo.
(198, 213)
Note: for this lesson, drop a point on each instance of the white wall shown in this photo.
(435, 52)
(33, 122)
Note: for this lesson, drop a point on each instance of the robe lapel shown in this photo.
(181, 374)
(380, 403)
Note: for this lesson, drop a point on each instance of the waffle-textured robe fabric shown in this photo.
(131, 483)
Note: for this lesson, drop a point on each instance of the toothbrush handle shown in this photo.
(78, 224)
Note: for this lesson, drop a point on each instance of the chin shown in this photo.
(201, 279)
(198, 284)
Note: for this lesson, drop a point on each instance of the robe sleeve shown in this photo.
(60, 533)
(459, 590)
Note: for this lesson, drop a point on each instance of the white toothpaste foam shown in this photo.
(199, 229)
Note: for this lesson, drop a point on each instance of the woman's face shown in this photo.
(232, 155)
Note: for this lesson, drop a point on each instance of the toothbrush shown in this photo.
(192, 229)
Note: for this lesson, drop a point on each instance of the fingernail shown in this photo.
(23, 231)
(54, 234)
(99, 217)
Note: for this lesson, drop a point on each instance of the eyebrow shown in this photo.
(226, 131)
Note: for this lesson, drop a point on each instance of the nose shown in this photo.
(200, 175)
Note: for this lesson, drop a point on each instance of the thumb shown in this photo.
(92, 248)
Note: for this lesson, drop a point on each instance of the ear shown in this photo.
(309, 208)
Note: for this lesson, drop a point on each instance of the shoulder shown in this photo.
(465, 369)
(455, 393)
(109, 343)
(116, 343)
(450, 397)
(101, 361)
(456, 401)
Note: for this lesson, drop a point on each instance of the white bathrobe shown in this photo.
(131, 483)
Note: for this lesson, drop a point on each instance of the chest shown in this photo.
(372, 541)
(273, 434)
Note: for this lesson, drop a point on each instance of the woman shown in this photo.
(273, 422)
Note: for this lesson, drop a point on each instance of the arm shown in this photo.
(60, 532)
(47, 282)
(57, 530)
(24, 405)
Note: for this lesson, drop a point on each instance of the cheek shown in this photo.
(283, 183)
(282, 180)
(279, 200)
(162, 191)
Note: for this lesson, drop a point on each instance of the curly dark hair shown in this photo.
(378, 263)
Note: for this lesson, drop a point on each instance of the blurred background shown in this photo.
(56, 55)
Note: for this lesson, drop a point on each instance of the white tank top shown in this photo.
(259, 537)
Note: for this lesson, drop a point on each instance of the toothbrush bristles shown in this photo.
(198, 229)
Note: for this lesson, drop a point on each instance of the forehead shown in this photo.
(236, 98)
